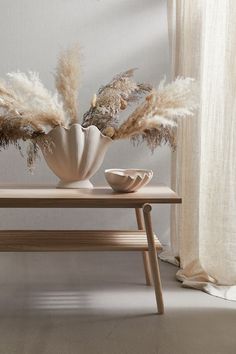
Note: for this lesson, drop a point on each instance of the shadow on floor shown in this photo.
(100, 305)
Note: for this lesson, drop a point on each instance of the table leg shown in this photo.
(153, 257)
(146, 260)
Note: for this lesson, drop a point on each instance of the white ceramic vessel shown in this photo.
(75, 154)
(128, 180)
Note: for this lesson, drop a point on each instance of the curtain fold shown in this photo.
(203, 230)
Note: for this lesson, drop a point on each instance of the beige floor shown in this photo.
(97, 303)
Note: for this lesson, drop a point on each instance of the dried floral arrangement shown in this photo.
(28, 110)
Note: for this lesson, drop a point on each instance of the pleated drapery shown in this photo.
(203, 230)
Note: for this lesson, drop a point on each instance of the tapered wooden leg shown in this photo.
(146, 261)
(153, 257)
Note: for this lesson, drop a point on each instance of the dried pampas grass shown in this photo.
(67, 82)
(24, 97)
(29, 90)
(155, 119)
(28, 110)
(113, 98)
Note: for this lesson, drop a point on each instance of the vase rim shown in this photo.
(83, 129)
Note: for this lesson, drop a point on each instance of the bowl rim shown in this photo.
(114, 170)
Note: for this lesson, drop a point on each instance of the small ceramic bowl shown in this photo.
(128, 180)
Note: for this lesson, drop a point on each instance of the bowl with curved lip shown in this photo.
(75, 154)
(128, 180)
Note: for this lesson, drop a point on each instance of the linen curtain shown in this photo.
(203, 230)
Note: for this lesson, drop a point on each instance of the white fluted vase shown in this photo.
(75, 154)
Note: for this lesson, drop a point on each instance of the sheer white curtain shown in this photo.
(203, 237)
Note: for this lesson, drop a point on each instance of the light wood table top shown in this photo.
(43, 196)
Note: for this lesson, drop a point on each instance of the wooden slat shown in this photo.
(70, 240)
(100, 197)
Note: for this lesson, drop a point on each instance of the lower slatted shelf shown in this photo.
(71, 240)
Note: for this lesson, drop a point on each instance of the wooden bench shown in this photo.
(143, 239)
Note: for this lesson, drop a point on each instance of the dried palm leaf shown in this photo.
(111, 99)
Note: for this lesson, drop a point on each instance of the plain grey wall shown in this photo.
(114, 35)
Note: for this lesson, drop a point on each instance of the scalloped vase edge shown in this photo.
(75, 154)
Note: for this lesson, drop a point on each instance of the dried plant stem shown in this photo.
(28, 110)
(153, 121)
(113, 98)
(67, 81)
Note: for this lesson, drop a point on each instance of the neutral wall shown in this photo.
(114, 35)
